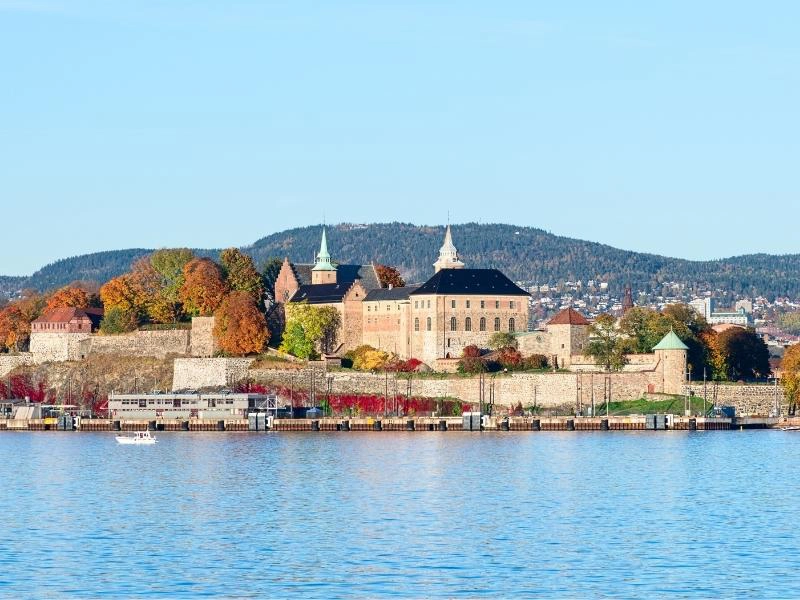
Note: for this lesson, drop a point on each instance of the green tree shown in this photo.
(503, 339)
(644, 328)
(747, 356)
(118, 320)
(169, 264)
(319, 325)
(241, 273)
(296, 343)
(606, 344)
(269, 275)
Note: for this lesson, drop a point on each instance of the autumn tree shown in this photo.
(239, 327)
(68, 297)
(389, 276)
(241, 273)
(203, 287)
(606, 344)
(306, 323)
(643, 328)
(15, 320)
(120, 294)
(791, 376)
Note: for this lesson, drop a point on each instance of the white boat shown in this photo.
(791, 428)
(140, 437)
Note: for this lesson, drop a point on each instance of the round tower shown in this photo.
(671, 353)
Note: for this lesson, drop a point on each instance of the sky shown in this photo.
(665, 127)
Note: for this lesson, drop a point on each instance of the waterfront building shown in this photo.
(188, 405)
(433, 321)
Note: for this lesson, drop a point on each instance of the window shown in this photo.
(416, 303)
(483, 324)
(448, 345)
(467, 324)
(416, 324)
(483, 304)
(453, 323)
(497, 324)
(511, 304)
(452, 303)
(467, 303)
(497, 303)
(511, 325)
(429, 323)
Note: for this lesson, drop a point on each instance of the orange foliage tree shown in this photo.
(241, 273)
(239, 327)
(15, 320)
(389, 276)
(68, 297)
(203, 287)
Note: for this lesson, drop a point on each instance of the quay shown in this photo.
(468, 422)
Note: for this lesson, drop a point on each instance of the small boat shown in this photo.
(140, 437)
(791, 428)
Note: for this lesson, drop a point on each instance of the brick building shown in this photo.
(68, 320)
(455, 308)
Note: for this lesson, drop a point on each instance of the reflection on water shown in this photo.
(400, 514)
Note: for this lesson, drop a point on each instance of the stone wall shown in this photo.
(749, 399)
(199, 373)
(52, 347)
(158, 344)
(9, 362)
(202, 338)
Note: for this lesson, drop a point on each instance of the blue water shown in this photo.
(406, 515)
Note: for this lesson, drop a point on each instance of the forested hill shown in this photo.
(524, 253)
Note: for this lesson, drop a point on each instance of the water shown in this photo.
(406, 515)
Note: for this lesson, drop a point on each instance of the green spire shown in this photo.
(323, 262)
(671, 342)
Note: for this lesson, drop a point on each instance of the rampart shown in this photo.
(749, 399)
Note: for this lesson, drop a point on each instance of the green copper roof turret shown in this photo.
(323, 262)
(671, 342)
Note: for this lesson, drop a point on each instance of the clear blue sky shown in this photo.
(666, 127)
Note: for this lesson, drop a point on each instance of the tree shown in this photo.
(296, 343)
(606, 344)
(717, 360)
(120, 293)
(68, 297)
(746, 354)
(170, 265)
(791, 376)
(643, 328)
(241, 273)
(502, 339)
(15, 320)
(389, 276)
(116, 320)
(790, 322)
(203, 288)
(239, 327)
(269, 275)
(319, 325)
(148, 286)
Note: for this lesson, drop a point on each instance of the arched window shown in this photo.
(452, 323)
(511, 325)
(497, 324)
(416, 324)
(468, 324)
(429, 323)
(482, 324)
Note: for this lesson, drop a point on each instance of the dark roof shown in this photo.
(398, 293)
(345, 274)
(569, 316)
(485, 282)
(322, 293)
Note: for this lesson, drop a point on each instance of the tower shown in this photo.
(323, 271)
(448, 255)
(627, 300)
(671, 353)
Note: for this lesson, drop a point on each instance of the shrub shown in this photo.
(502, 339)
(471, 351)
(510, 358)
(117, 320)
(472, 364)
(536, 361)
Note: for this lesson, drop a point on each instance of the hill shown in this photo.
(524, 253)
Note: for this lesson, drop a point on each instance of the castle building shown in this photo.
(434, 321)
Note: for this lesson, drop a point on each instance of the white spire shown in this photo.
(448, 255)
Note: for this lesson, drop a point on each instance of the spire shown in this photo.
(448, 255)
(627, 300)
(323, 262)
